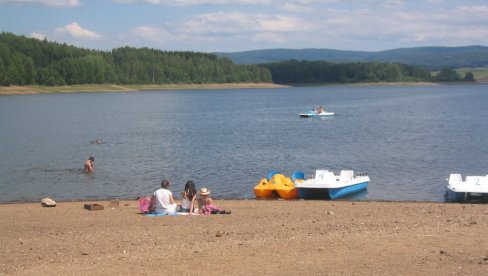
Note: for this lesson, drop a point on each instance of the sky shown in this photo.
(242, 25)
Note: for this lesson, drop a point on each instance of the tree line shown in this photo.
(28, 61)
(294, 71)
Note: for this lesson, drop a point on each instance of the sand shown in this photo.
(99, 88)
(259, 237)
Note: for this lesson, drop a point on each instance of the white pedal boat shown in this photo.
(327, 185)
(312, 113)
(472, 187)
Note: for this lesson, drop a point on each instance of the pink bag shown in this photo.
(210, 209)
(144, 203)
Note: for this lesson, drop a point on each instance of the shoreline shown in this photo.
(103, 88)
(250, 199)
(275, 236)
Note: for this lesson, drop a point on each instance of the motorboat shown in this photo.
(277, 185)
(327, 185)
(312, 113)
(473, 187)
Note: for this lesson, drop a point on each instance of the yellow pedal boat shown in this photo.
(278, 185)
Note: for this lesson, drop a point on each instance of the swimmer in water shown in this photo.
(89, 166)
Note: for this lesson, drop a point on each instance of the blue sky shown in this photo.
(239, 25)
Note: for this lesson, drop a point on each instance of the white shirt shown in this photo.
(163, 202)
(185, 203)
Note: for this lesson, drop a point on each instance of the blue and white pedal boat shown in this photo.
(312, 113)
(327, 185)
(473, 187)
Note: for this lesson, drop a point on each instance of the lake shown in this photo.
(407, 138)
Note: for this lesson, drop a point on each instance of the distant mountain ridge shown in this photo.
(431, 58)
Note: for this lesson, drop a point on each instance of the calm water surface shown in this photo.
(408, 139)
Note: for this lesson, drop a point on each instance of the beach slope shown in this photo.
(259, 237)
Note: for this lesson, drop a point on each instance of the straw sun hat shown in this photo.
(204, 191)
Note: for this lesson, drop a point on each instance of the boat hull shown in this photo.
(291, 193)
(264, 189)
(312, 114)
(473, 188)
(452, 196)
(330, 193)
(278, 186)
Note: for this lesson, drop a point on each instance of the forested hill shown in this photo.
(430, 58)
(25, 61)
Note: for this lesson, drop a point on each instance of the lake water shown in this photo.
(408, 139)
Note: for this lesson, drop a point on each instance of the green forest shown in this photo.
(26, 61)
(29, 61)
(294, 71)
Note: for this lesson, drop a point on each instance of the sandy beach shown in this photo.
(99, 88)
(259, 237)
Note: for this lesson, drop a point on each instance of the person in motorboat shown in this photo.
(162, 201)
(320, 110)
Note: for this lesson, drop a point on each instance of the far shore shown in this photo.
(96, 88)
(100, 88)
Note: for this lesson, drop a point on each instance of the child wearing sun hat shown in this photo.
(206, 203)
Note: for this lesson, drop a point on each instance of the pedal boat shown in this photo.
(473, 187)
(312, 113)
(276, 185)
(327, 185)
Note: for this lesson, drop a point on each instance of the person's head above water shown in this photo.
(92, 158)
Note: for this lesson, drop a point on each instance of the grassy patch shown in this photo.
(480, 74)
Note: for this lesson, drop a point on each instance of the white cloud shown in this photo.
(53, 3)
(236, 22)
(195, 2)
(76, 31)
(38, 36)
(220, 28)
(406, 27)
(296, 7)
(269, 37)
(282, 23)
(149, 33)
(219, 23)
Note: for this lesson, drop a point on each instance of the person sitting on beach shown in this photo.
(188, 198)
(89, 166)
(162, 201)
(206, 204)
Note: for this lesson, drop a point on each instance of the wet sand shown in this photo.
(259, 237)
